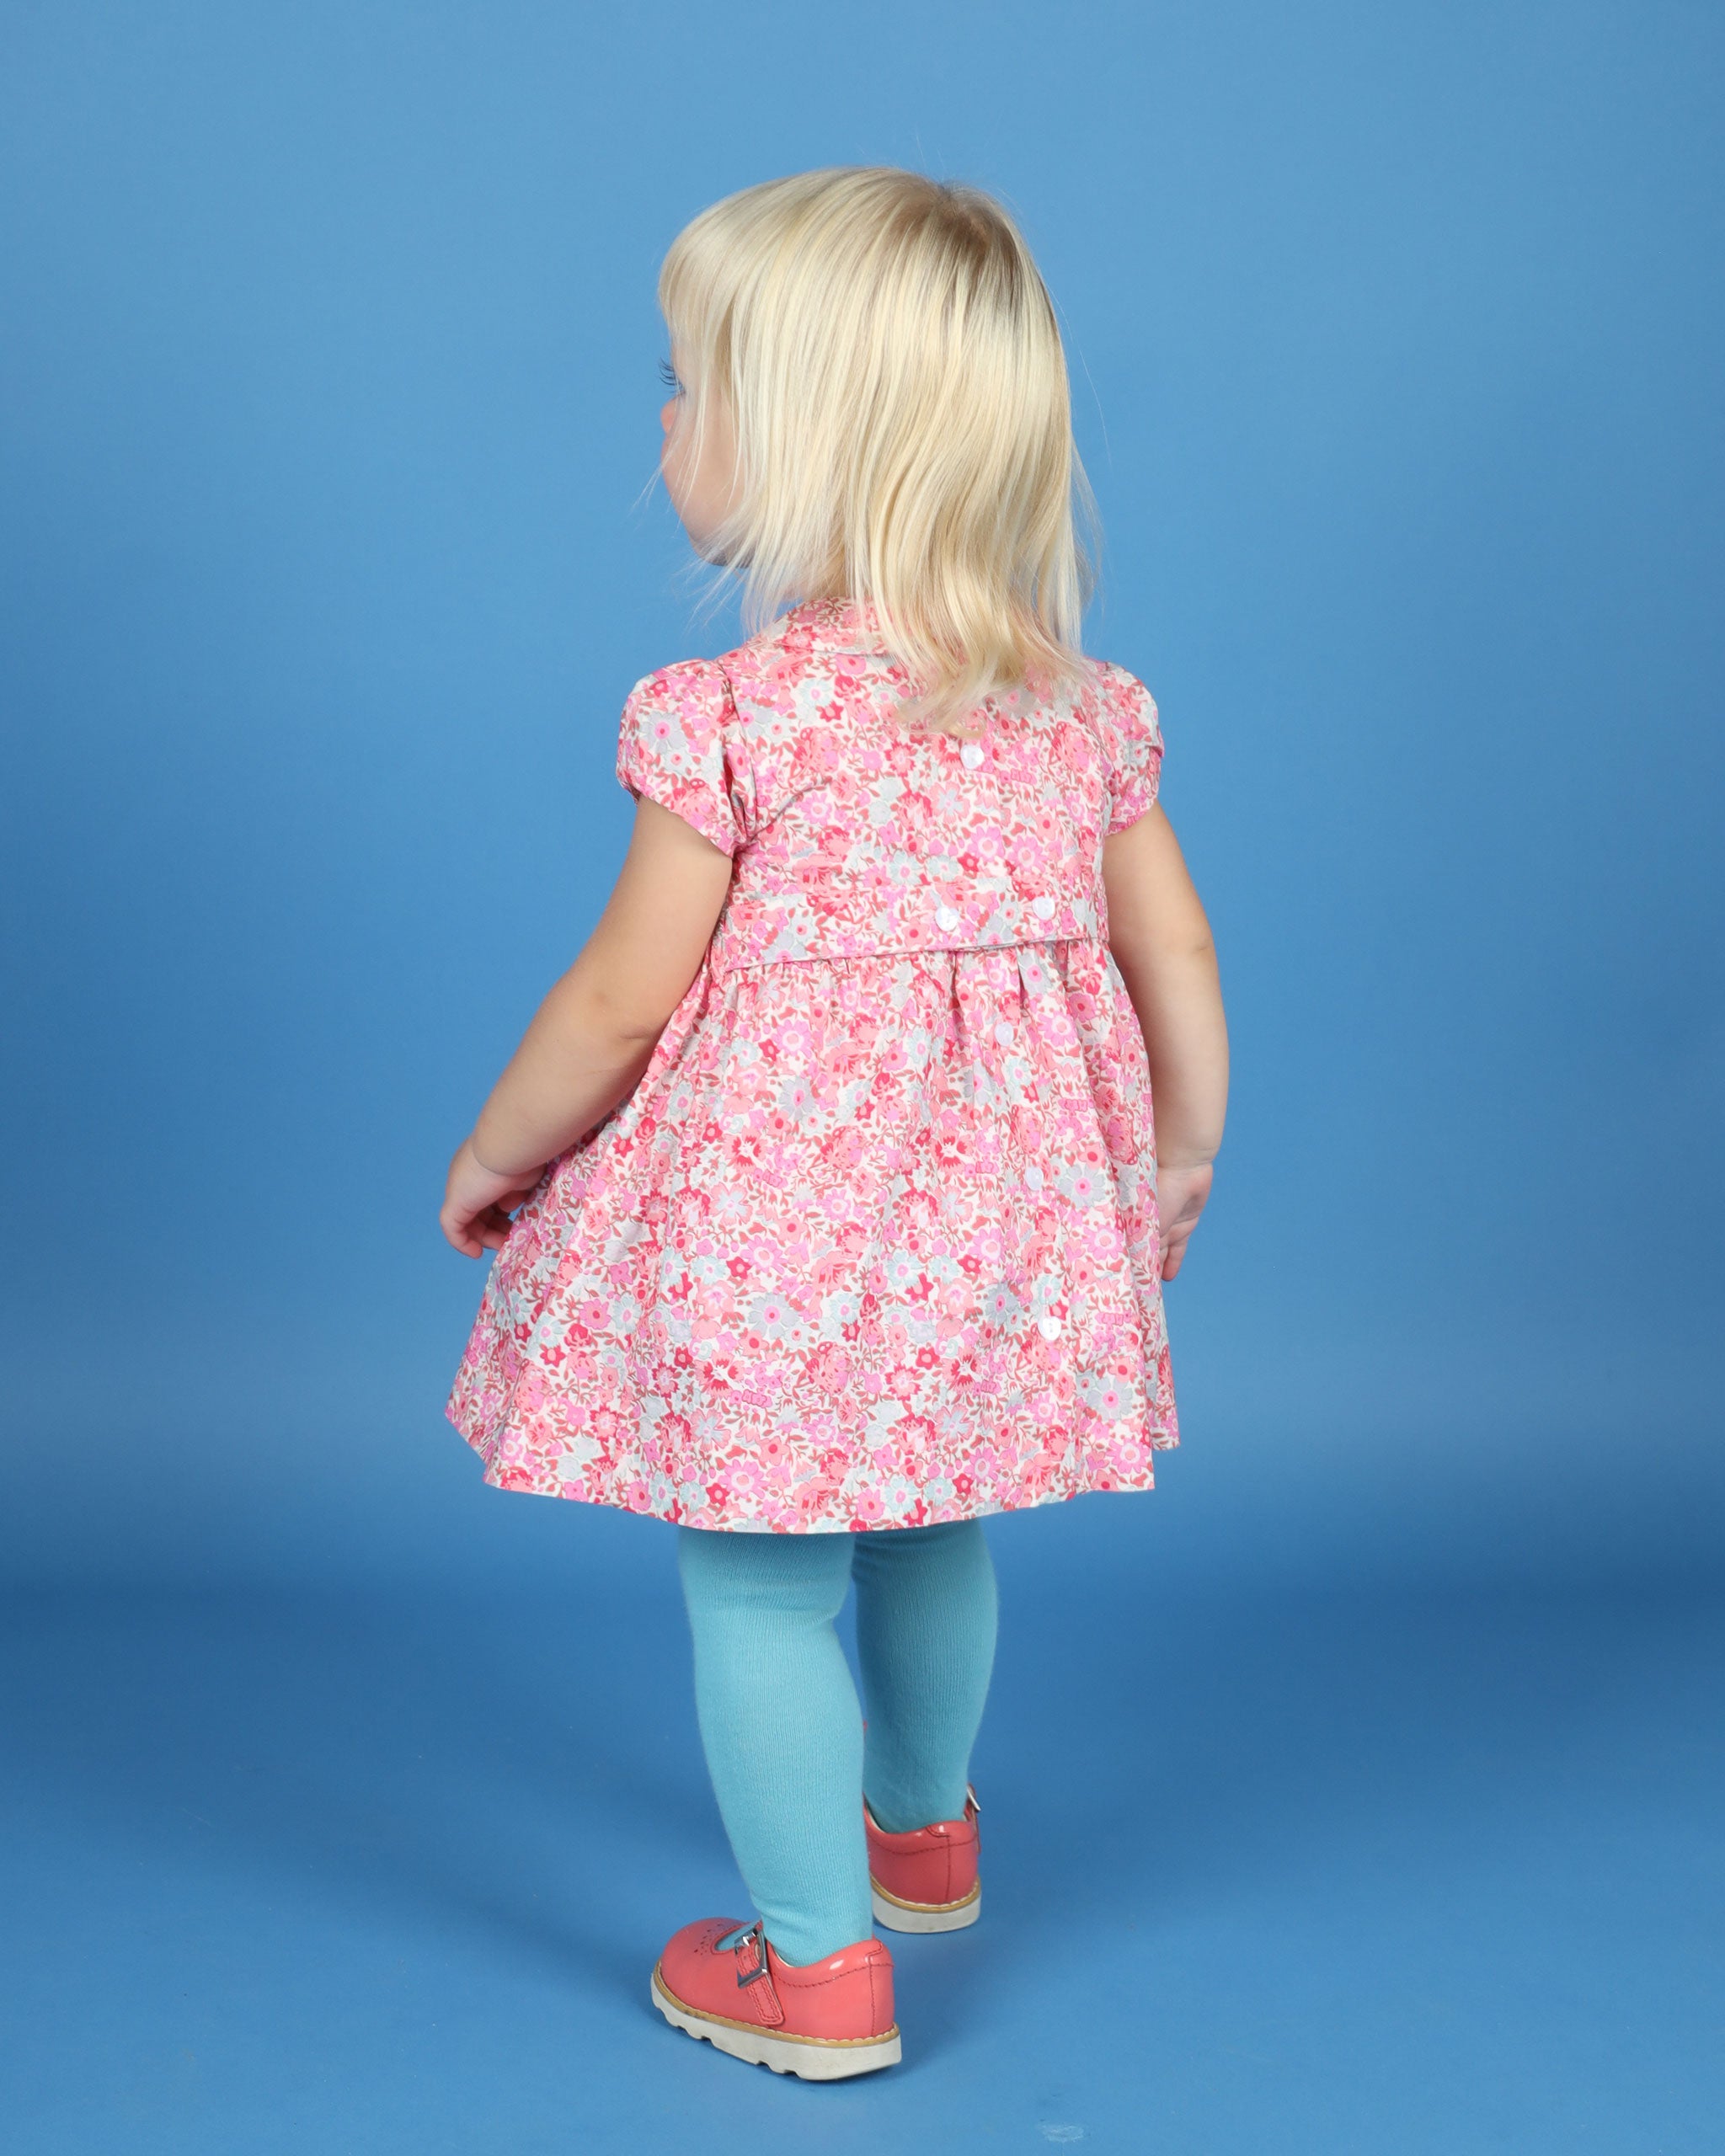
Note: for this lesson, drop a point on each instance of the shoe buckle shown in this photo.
(758, 1935)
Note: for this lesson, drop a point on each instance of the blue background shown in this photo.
(1357, 1790)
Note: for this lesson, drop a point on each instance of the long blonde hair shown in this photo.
(892, 371)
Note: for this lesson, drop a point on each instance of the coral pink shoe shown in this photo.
(823, 2020)
(925, 1879)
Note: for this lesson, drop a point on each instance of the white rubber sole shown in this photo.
(811, 2059)
(925, 1916)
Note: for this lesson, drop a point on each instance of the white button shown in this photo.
(945, 917)
(970, 755)
(1003, 1034)
(1042, 906)
(1049, 1328)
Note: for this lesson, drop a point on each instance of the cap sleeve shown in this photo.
(672, 748)
(1133, 742)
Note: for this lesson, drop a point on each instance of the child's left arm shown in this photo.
(595, 1033)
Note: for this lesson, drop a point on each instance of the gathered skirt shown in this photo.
(873, 1243)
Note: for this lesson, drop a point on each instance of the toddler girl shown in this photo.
(828, 1211)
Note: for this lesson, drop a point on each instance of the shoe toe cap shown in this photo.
(691, 1954)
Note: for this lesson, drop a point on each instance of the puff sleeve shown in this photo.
(674, 748)
(1133, 741)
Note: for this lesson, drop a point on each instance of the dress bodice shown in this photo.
(856, 834)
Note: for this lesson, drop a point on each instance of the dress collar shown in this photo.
(834, 624)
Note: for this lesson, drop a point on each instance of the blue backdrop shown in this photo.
(329, 555)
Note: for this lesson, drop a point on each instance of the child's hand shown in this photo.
(477, 1201)
(1180, 1196)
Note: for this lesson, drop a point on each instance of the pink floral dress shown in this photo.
(873, 1243)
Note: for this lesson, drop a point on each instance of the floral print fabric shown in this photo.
(874, 1242)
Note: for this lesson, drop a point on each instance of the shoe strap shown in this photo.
(755, 1971)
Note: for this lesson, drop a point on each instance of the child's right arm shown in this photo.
(1161, 943)
(595, 1033)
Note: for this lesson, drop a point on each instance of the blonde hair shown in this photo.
(892, 368)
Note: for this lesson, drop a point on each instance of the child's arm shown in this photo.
(1161, 943)
(595, 1033)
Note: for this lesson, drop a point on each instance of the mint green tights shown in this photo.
(780, 1720)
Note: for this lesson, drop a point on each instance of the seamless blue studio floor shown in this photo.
(1384, 1872)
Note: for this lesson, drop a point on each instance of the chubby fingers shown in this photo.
(471, 1233)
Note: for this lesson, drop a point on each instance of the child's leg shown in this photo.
(782, 1728)
(925, 1615)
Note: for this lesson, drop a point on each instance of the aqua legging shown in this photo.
(780, 1721)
